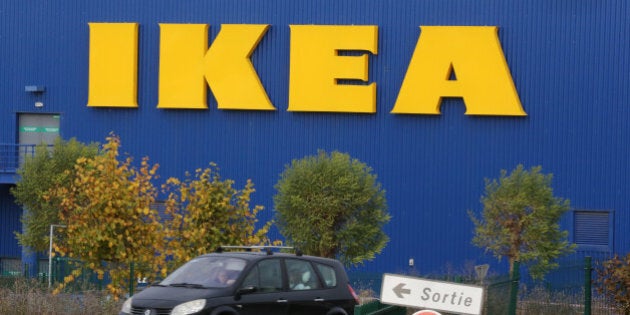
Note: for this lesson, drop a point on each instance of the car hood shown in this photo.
(168, 297)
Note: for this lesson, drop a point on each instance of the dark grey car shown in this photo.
(249, 283)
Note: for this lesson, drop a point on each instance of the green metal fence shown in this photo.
(566, 290)
(62, 267)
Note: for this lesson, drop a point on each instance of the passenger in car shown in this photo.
(299, 280)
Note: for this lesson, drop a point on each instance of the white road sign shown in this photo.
(438, 295)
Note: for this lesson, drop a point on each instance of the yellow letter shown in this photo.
(181, 82)
(113, 78)
(227, 67)
(482, 77)
(316, 66)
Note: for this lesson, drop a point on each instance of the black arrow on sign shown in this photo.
(399, 290)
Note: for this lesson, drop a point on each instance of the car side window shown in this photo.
(266, 276)
(251, 280)
(328, 274)
(302, 276)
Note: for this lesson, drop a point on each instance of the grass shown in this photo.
(28, 296)
(540, 300)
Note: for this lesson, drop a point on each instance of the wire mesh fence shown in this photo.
(569, 289)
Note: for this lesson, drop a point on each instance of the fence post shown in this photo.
(588, 273)
(515, 277)
(54, 271)
(131, 279)
(358, 310)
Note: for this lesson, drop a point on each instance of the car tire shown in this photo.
(337, 311)
(224, 310)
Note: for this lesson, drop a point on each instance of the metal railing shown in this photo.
(12, 156)
(569, 289)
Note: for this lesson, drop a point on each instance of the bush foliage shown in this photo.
(108, 209)
(521, 220)
(331, 205)
(614, 280)
(47, 169)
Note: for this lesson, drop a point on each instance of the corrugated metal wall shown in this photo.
(570, 62)
(10, 221)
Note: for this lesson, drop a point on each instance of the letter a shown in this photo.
(483, 78)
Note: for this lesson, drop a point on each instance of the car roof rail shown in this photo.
(267, 248)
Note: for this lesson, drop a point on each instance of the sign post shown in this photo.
(436, 295)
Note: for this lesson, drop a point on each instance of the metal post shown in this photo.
(131, 279)
(50, 247)
(588, 273)
(515, 277)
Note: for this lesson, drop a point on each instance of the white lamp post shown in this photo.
(52, 228)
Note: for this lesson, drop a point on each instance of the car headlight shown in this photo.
(189, 307)
(126, 308)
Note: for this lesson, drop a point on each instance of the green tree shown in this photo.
(520, 220)
(332, 206)
(110, 222)
(45, 170)
(205, 212)
(614, 281)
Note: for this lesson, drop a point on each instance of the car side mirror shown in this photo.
(245, 290)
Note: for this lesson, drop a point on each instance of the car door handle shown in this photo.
(319, 300)
(281, 301)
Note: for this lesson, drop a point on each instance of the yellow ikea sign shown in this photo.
(186, 65)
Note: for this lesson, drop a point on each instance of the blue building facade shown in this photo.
(568, 61)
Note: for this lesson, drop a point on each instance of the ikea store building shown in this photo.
(434, 95)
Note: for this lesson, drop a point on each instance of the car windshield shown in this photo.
(206, 272)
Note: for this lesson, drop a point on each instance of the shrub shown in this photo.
(614, 281)
(28, 296)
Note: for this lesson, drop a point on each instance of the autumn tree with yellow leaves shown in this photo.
(45, 170)
(204, 212)
(109, 220)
